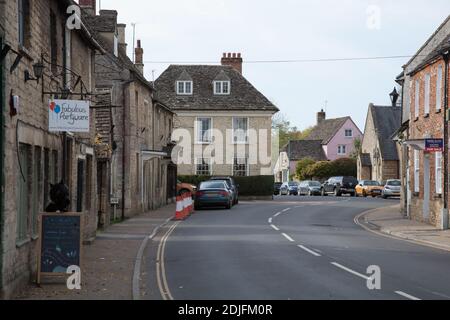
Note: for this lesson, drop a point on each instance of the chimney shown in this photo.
(139, 56)
(90, 6)
(321, 116)
(233, 60)
(121, 37)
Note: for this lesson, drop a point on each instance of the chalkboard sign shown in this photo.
(60, 244)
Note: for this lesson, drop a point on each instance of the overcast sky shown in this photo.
(201, 30)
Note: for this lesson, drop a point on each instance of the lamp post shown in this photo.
(38, 70)
(394, 97)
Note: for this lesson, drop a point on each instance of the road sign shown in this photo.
(434, 145)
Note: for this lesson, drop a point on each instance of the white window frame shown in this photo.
(184, 92)
(233, 131)
(416, 171)
(438, 172)
(221, 91)
(247, 166)
(208, 161)
(439, 88)
(342, 147)
(427, 94)
(417, 99)
(198, 136)
(351, 133)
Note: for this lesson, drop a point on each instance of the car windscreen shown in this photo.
(394, 183)
(371, 183)
(293, 184)
(212, 185)
(314, 184)
(350, 180)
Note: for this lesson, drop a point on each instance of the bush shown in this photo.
(302, 167)
(320, 170)
(248, 186)
(326, 169)
(345, 167)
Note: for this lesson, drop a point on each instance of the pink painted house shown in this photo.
(337, 136)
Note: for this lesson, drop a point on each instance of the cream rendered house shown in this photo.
(223, 124)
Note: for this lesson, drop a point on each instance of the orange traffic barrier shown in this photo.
(179, 215)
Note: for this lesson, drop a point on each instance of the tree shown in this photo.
(345, 167)
(320, 170)
(357, 149)
(302, 168)
(327, 169)
(287, 132)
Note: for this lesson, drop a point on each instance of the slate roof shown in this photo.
(300, 149)
(387, 120)
(436, 53)
(327, 129)
(244, 96)
(366, 161)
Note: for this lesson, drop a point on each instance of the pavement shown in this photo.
(109, 263)
(391, 222)
(293, 248)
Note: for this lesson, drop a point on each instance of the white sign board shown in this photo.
(68, 116)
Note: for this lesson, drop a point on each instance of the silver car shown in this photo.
(392, 188)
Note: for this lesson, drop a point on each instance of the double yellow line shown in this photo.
(160, 266)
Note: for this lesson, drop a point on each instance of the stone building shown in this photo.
(41, 58)
(222, 122)
(425, 84)
(133, 128)
(379, 159)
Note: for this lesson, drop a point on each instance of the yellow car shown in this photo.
(369, 188)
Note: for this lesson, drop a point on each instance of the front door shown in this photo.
(426, 187)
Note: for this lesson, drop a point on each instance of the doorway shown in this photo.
(426, 187)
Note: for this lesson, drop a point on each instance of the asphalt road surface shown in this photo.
(293, 248)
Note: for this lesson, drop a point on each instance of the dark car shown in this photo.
(214, 194)
(339, 186)
(310, 188)
(277, 188)
(232, 185)
(289, 188)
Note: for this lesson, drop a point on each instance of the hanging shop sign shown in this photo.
(68, 116)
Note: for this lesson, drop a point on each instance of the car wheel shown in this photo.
(364, 194)
(324, 194)
(336, 193)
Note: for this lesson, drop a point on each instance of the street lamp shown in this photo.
(38, 70)
(394, 97)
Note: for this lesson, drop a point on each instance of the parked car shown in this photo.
(339, 186)
(277, 188)
(367, 188)
(289, 189)
(186, 187)
(392, 188)
(214, 194)
(232, 185)
(310, 188)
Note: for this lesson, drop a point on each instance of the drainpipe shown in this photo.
(2, 174)
(125, 89)
(446, 141)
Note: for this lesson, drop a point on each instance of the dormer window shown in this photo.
(184, 87)
(222, 87)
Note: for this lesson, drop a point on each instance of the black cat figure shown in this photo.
(59, 197)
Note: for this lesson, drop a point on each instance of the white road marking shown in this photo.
(408, 296)
(270, 221)
(275, 227)
(309, 251)
(350, 271)
(277, 214)
(285, 210)
(288, 237)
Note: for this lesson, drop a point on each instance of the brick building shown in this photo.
(34, 38)
(425, 108)
(133, 128)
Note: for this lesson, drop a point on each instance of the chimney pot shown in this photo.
(90, 6)
(233, 60)
(321, 117)
(139, 56)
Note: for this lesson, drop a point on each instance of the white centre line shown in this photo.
(350, 271)
(309, 251)
(275, 227)
(288, 237)
(285, 210)
(270, 221)
(277, 214)
(408, 296)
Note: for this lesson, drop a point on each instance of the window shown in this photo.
(204, 129)
(203, 167)
(416, 99)
(24, 22)
(184, 87)
(342, 150)
(240, 167)
(416, 171)
(23, 180)
(427, 93)
(240, 130)
(222, 87)
(439, 89)
(438, 173)
(349, 133)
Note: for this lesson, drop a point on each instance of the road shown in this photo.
(293, 248)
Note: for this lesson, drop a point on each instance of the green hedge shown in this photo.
(248, 186)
